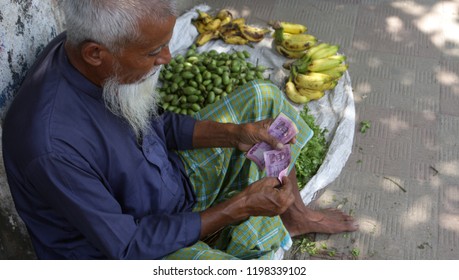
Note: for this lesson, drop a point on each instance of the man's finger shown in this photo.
(266, 137)
(273, 142)
(286, 184)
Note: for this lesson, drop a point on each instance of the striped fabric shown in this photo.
(219, 173)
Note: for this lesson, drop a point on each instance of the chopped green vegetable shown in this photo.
(313, 153)
(305, 245)
(364, 126)
(355, 252)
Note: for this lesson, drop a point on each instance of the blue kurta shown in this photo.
(83, 185)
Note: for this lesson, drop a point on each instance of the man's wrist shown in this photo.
(234, 132)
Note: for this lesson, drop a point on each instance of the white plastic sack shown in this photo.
(334, 112)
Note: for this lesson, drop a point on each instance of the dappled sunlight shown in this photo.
(245, 12)
(407, 79)
(328, 199)
(450, 222)
(449, 217)
(410, 8)
(448, 78)
(420, 212)
(452, 194)
(436, 182)
(440, 22)
(450, 168)
(451, 28)
(374, 62)
(394, 26)
(429, 116)
(361, 45)
(369, 225)
(362, 88)
(395, 124)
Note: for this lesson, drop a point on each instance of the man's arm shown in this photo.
(76, 193)
(265, 197)
(211, 134)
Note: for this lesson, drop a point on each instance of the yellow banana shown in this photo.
(289, 27)
(225, 16)
(294, 42)
(293, 94)
(315, 49)
(330, 85)
(324, 52)
(318, 85)
(213, 24)
(223, 13)
(298, 42)
(228, 27)
(323, 64)
(235, 40)
(204, 17)
(227, 32)
(200, 26)
(311, 94)
(205, 37)
(226, 21)
(238, 21)
(318, 79)
(290, 54)
(336, 72)
(253, 34)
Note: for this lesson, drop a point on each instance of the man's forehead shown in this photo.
(154, 32)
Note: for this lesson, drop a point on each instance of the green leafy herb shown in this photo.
(355, 252)
(364, 126)
(313, 153)
(305, 245)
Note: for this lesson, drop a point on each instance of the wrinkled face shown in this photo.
(138, 59)
(130, 91)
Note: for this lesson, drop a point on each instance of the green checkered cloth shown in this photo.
(219, 173)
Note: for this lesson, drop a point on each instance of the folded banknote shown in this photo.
(283, 129)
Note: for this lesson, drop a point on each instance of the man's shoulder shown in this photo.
(40, 103)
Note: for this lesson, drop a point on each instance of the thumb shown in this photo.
(286, 184)
(268, 138)
(273, 142)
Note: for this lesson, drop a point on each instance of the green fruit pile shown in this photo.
(194, 80)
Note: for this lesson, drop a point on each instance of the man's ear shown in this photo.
(94, 53)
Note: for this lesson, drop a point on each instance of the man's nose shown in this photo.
(164, 57)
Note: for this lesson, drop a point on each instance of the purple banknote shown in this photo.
(283, 129)
(277, 161)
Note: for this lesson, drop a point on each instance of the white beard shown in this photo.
(137, 103)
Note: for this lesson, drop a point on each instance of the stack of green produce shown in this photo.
(194, 80)
(313, 153)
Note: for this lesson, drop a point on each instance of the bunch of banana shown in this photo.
(314, 73)
(231, 31)
(291, 40)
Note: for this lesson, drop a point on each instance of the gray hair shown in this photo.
(112, 23)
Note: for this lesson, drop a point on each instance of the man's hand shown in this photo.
(266, 197)
(251, 133)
